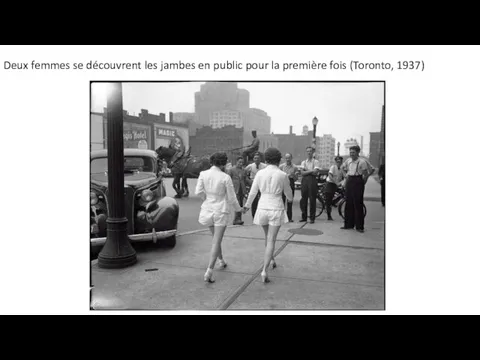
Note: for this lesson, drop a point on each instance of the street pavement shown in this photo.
(320, 267)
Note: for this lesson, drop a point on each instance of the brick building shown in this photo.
(148, 131)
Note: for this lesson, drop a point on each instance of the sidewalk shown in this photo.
(372, 190)
(319, 267)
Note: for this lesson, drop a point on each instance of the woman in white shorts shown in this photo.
(216, 189)
(272, 183)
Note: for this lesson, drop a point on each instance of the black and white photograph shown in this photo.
(254, 196)
(238, 179)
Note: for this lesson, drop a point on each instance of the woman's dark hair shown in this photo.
(219, 159)
(239, 157)
(338, 158)
(273, 156)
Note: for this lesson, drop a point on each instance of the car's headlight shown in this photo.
(93, 198)
(147, 195)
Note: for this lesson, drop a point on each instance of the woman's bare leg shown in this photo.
(269, 250)
(265, 230)
(216, 250)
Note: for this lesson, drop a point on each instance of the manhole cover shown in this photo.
(311, 232)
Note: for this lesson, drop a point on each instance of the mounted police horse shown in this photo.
(183, 166)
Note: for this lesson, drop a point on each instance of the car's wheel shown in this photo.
(170, 242)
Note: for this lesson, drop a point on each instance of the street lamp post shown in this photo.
(117, 251)
(315, 123)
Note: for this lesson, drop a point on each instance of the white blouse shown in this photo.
(218, 191)
(272, 183)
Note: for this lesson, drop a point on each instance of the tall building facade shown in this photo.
(377, 143)
(219, 119)
(325, 152)
(375, 147)
(218, 96)
(350, 142)
(382, 137)
(297, 144)
(256, 119)
(219, 104)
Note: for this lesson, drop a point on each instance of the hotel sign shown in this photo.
(135, 135)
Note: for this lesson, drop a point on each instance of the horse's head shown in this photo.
(165, 153)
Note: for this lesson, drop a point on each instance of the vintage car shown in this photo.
(151, 215)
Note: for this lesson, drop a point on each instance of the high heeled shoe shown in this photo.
(208, 277)
(274, 264)
(265, 278)
(222, 264)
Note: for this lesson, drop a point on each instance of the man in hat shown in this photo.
(253, 148)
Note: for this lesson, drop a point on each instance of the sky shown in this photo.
(344, 110)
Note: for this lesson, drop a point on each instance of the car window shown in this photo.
(130, 163)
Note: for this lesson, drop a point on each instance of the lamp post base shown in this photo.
(118, 251)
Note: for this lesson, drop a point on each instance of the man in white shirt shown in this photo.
(310, 170)
(216, 188)
(356, 172)
(334, 179)
(251, 171)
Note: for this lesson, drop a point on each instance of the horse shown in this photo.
(183, 166)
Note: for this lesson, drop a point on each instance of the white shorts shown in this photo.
(211, 218)
(270, 217)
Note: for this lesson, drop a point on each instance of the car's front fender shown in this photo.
(161, 214)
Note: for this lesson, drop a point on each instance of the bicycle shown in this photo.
(338, 201)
